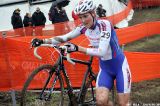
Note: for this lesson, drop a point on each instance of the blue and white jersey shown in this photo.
(102, 37)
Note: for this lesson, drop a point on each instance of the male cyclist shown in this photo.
(102, 36)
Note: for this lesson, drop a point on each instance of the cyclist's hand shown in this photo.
(36, 42)
(71, 47)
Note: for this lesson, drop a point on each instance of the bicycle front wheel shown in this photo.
(44, 87)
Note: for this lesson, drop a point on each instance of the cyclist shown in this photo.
(102, 36)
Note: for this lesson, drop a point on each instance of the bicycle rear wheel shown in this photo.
(37, 89)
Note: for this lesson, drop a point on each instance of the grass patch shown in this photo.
(145, 15)
(148, 44)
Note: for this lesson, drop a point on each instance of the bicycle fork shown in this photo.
(45, 97)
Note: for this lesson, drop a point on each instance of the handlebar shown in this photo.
(57, 48)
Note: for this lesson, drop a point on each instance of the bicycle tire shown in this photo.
(50, 70)
(88, 97)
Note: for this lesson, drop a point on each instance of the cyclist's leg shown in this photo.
(102, 99)
(123, 81)
(123, 99)
(104, 84)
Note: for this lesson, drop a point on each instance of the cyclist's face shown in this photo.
(86, 19)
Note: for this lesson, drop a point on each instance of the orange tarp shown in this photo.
(144, 66)
(17, 60)
(114, 19)
(132, 33)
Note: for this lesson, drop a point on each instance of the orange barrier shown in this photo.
(17, 60)
(116, 18)
(144, 66)
(132, 33)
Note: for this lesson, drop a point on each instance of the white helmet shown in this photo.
(84, 6)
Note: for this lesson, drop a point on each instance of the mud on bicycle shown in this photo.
(53, 91)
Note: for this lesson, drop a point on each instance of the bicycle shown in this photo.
(57, 77)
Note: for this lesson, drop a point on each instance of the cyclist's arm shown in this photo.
(63, 38)
(103, 44)
(101, 51)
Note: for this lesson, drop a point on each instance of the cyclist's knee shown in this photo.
(123, 99)
(122, 103)
(101, 101)
(102, 96)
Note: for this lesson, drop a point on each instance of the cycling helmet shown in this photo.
(84, 6)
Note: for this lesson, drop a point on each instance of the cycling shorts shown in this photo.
(116, 68)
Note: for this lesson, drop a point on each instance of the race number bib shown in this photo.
(105, 35)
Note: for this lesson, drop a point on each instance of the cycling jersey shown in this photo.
(113, 64)
(101, 36)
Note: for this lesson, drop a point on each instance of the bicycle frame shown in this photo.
(89, 72)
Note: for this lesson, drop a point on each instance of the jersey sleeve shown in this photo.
(66, 37)
(74, 33)
(105, 37)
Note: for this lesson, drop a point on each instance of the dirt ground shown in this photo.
(145, 92)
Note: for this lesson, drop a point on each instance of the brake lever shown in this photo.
(68, 55)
